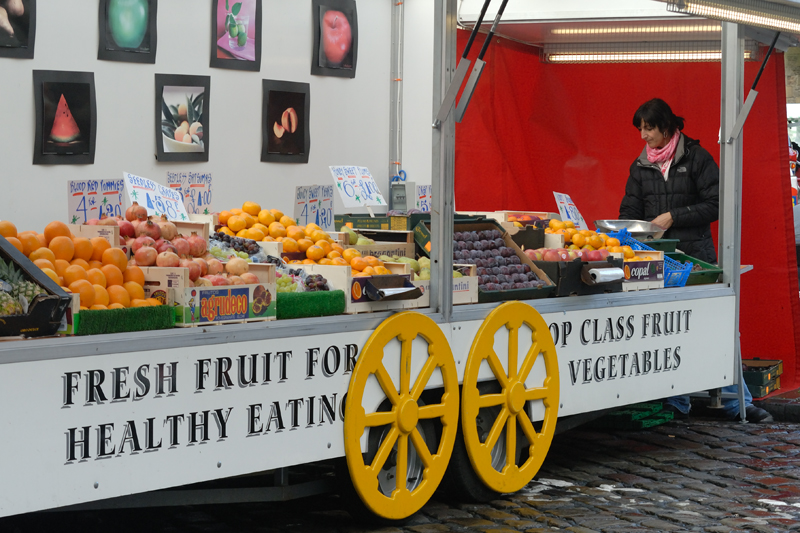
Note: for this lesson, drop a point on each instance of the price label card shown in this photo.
(314, 204)
(423, 202)
(305, 210)
(195, 188)
(90, 199)
(156, 198)
(369, 189)
(346, 183)
(325, 210)
(568, 211)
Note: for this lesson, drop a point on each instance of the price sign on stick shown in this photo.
(345, 179)
(304, 208)
(314, 204)
(90, 199)
(325, 210)
(195, 188)
(568, 211)
(156, 198)
(423, 202)
(369, 189)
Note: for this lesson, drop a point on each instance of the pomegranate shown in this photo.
(194, 268)
(215, 266)
(181, 245)
(236, 266)
(126, 229)
(107, 221)
(135, 224)
(92, 222)
(168, 229)
(148, 228)
(135, 212)
(129, 242)
(203, 282)
(165, 246)
(197, 245)
(142, 240)
(236, 280)
(218, 280)
(203, 265)
(146, 256)
(249, 278)
(168, 259)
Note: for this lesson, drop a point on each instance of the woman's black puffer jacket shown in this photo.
(691, 195)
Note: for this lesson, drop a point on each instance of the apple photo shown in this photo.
(67, 123)
(285, 118)
(127, 30)
(335, 38)
(17, 19)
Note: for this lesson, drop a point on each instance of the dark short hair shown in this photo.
(657, 113)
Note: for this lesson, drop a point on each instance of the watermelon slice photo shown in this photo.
(67, 122)
(64, 127)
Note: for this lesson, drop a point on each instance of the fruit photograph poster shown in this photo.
(128, 30)
(17, 28)
(182, 111)
(236, 34)
(285, 136)
(66, 117)
(335, 48)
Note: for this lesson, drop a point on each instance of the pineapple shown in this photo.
(19, 286)
(9, 305)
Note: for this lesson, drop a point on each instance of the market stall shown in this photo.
(451, 389)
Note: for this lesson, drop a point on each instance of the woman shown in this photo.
(674, 182)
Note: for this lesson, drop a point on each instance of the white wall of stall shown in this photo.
(349, 118)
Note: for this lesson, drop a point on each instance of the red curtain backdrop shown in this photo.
(534, 128)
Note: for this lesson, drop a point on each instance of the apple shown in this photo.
(534, 255)
(127, 20)
(336, 36)
(604, 253)
(593, 255)
(572, 255)
(552, 255)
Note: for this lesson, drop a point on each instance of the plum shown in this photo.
(506, 286)
(501, 261)
(494, 279)
(505, 270)
(499, 243)
(519, 285)
(526, 269)
(502, 278)
(532, 276)
(513, 260)
(496, 234)
(458, 236)
(496, 271)
(477, 245)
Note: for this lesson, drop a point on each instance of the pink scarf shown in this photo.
(663, 156)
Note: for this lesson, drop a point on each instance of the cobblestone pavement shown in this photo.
(697, 475)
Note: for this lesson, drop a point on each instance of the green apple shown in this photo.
(127, 20)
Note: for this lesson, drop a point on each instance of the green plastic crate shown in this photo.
(664, 245)
(709, 274)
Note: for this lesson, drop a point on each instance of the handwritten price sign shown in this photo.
(568, 211)
(314, 203)
(424, 198)
(356, 186)
(156, 198)
(90, 199)
(195, 188)
(325, 210)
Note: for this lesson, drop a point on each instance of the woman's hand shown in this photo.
(663, 220)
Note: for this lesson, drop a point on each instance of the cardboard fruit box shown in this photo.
(109, 233)
(357, 298)
(198, 306)
(567, 276)
(46, 312)
(643, 275)
(465, 288)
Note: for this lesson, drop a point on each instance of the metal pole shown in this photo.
(443, 172)
(732, 95)
(396, 96)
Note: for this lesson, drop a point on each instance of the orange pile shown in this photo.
(584, 239)
(89, 267)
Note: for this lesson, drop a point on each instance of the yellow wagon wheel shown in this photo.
(493, 449)
(403, 447)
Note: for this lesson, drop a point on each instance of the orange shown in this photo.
(569, 223)
(153, 301)
(16, 244)
(279, 239)
(356, 291)
(135, 290)
(325, 261)
(42, 253)
(52, 275)
(236, 211)
(369, 271)
(41, 238)
(118, 295)
(113, 275)
(86, 291)
(305, 244)
(96, 277)
(276, 229)
(139, 302)
(255, 234)
(358, 263)
(325, 245)
(83, 248)
(277, 213)
(223, 217)
(557, 224)
(226, 230)
(7, 229)
(586, 232)
(311, 227)
(74, 273)
(628, 252)
(373, 261)
(81, 263)
(287, 221)
(133, 273)
(61, 266)
(349, 254)
(290, 245)
(99, 245)
(315, 253)
(337, 247)
(251, 208)
(611, 241)
(339, 261)
(44, 263)
(295, 232)
(56, 229)
(265, 217)
(116, 306)
(116, 257)
(242, 233)
(100, 295)
(98, 307)
(579, 240)
(249, 220)
(268, 239)
(317, 235)
(595, 241)
(333, 254)
(308, 261)
(62, 247)
(237, 223)
(96, 264)
(382, 271)
(259, 226)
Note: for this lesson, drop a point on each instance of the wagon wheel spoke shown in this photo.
(497, 369)
(511, 440)
(380, 418)
(387, 384)
(490, 400)
(436, 410)
(423, 378)
(401, 470)
(537, 393)
(405, 363)
(422, 448)
(527, 364)
(497, 429)
(527, 429)
(383, 452)
(513, 346)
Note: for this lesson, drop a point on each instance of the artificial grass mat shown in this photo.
(310, 304)
(122, 320)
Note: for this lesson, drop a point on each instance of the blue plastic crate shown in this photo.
(676, 274)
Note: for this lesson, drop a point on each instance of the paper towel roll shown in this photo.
(605, 275)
